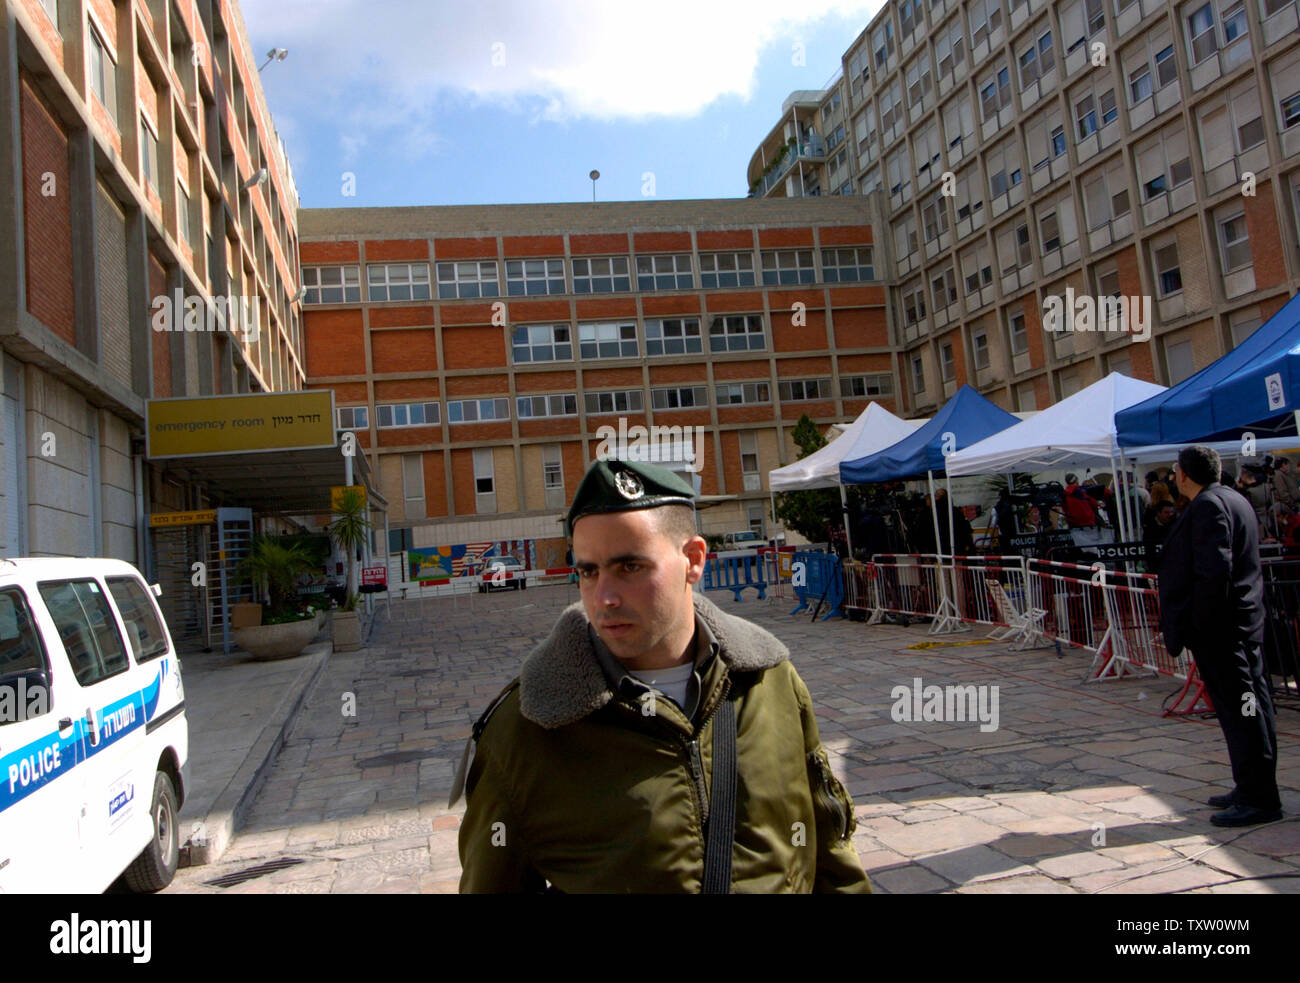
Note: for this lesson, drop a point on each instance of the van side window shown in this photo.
(85, 622)
(143, 629)
(21, 657)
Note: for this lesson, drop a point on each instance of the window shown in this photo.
(802, 389)
(726, 270)
(882, 42)
(407, 414)
(980, 349)
(1045, 138)
(478, 410)
(143, 629)
(671, 272)
(1200, 26)
(947, 364)
(863, 386)
(950, 47)
(1234, 243)
(1086, 113)
(534, 277)
(601, 275)
(332, 284)
(786, 266)
(542, 343)
(985, 18)
(413, 482)
(1003, 166)
(913, 306)
(86, 625)
(681, 398)
(1178, 358)
(737, 333)
(183, 215)
(918, 80)
(148, 153)
(1024, 253)
(673, 336)
(847, 265)
(469, 278)
(553, 476)
(608, 339)
(835, 138)
(1108, 283)
(1163, 163)
(1168, 274)
(616, 401)
(103, 72)
(354, 418)
(995, 94)
(1243, 323)
(945, 289)
(1019, 336)
(743, 393)
(21, 652)
(1166, 67)
(1139, 84)
(398, 281)
(1290, 107)
(533, 407)
(751, 478)
(1051, 232)
(485, 499)
(918, 374)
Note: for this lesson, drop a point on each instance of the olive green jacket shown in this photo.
(593, 790)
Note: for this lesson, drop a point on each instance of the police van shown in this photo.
(94, 745)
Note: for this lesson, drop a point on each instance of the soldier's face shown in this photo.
(636, 585)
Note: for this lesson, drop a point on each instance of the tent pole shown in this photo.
(952, 535)
(1114, 473)
(844, 511)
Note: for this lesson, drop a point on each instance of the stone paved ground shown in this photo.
(1083, 788)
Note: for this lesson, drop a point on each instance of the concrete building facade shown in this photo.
(1026, 148)
(477, 351)
(138, 163)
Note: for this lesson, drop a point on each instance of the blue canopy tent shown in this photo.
(965, 419)
(1254, 387)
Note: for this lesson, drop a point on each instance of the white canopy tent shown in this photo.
(1076, 432)
(875, 429)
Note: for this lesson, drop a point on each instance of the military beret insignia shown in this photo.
(628, 485)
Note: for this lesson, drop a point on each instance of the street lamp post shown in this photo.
(594, 175)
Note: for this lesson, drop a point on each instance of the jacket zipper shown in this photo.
(694, 762)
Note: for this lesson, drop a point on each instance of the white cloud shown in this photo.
(380, 65)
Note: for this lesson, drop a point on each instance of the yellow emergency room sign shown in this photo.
(256, 422)
(202, 518)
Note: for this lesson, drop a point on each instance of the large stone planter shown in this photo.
(267, 642)
(347, 631)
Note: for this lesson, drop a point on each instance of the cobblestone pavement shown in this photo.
(1083, 787)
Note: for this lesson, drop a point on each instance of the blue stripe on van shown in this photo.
(30, 768)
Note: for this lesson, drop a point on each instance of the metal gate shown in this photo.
(232, 540)
(199, 614)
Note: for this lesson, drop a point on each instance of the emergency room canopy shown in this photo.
(965, 419)
(1075, 432)
(1256, 386)
(874, 430)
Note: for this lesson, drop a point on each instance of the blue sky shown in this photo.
(437, 103)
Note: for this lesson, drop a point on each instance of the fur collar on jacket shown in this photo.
(562, 682)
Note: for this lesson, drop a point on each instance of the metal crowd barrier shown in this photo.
(734, 571)
(904, 584)
(994, 590)
(1074, 611)
(1282, 624)
(818, 581)
(778, 571)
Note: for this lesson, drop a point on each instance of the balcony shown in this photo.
(813, 148)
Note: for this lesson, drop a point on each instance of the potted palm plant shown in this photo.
(288, 625)
(349, 531)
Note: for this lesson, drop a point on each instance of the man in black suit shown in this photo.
(1211, 601)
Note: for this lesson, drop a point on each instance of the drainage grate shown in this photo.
(250, 873)
(398, 758)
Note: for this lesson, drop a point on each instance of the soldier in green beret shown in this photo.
(651, 743)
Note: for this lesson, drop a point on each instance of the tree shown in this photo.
(276, 566)
(808, 512)
(349, 530)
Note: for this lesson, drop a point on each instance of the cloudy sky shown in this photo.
(429, 102)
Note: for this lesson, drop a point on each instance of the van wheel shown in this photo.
(154, 869)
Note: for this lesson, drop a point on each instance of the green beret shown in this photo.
(621, 486)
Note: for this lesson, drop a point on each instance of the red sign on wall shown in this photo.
(373, 576)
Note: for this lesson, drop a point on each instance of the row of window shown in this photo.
(592, 275)
(391, 415)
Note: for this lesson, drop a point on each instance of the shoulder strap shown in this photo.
(462, 769)
(721, 831)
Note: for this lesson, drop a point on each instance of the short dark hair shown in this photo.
(676, 522)
(1070, 479)
(1200, 463)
